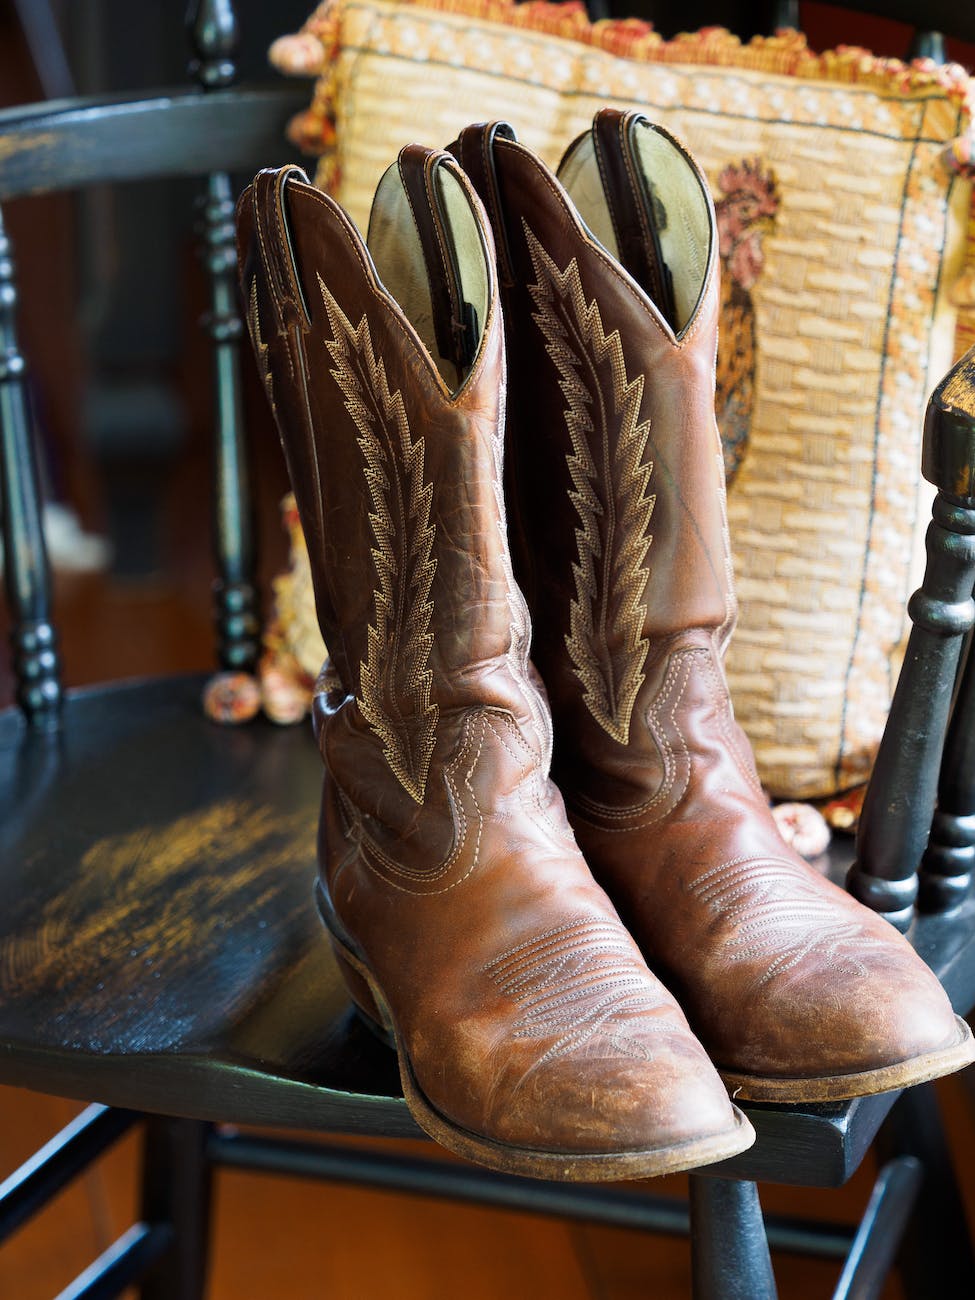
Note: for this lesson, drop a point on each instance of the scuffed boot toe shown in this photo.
(823, 1037)
(626, 1111)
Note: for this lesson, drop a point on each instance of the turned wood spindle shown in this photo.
(784, 14)
(946, 868)
(215, 38)
(27, 577)
(928, 45)
(900, 800)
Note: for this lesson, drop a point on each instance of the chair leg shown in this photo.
(936, 1257)
(176, 1183)
(729, 1249)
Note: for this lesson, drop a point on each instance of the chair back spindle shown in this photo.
(37, 667)
(784, 13)
(899, 805)
(928, 45)
(946, 868)
(215, 38)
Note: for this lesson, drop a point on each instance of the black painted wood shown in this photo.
(215, 38)
(63, 146)
(946, 868)
(123, 1263)
(899, 804)
(729, 1248)
(46, 47)
(237, 606)
(27, 578)
(936, 1257)
(875, 1245)
(60, 1160)
(176, 1193)
(928, 45)
(785, 13)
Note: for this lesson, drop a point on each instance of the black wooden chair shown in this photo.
(159, 953)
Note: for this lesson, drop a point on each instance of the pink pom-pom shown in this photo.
(801, 826)
(231, 698)
(300, 55)
(286, 698)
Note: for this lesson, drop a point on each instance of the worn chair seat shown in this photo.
(159, 947)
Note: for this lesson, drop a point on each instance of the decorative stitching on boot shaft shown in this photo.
(675, 756)
(609, 492)
(576, 981)
(395, 681)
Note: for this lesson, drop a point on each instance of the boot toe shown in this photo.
(609, 1106)
(822, 1036)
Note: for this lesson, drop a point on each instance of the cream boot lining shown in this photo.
(684, 241)
(397, 254)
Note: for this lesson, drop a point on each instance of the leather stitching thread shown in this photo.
(260, 347)
(536, 779)
(725, 715)
(780, 917)
(576, 981)
(609, 492)
(385, 866)
(395, 681)
(680, 663)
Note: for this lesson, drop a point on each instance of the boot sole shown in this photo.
(843, 1087)
(372, 1007)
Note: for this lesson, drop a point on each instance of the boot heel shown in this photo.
(362, 996)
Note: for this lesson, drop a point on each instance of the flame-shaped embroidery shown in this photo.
(260, 347)
(609, 491)
(395, 680)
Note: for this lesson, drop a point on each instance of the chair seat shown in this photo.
(159, 939)
(160, 950)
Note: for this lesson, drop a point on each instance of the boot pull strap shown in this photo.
(274, 240)
(632, 207)
(454, 320)
(474, 150)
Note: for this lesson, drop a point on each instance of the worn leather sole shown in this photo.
(563, 1166)
(841, 1087)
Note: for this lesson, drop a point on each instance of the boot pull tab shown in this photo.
(454, 319)
(276, 251)
(474, 150)
(634, 208)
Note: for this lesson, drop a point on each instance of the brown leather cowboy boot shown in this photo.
(621, 544)
(531, 1035)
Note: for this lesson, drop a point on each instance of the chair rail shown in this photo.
(77, 142)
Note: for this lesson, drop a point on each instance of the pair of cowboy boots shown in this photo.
(513, 355)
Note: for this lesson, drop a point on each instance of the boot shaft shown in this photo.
(615, 472)
(384, 364)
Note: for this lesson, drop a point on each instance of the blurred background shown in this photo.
(120, 386)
